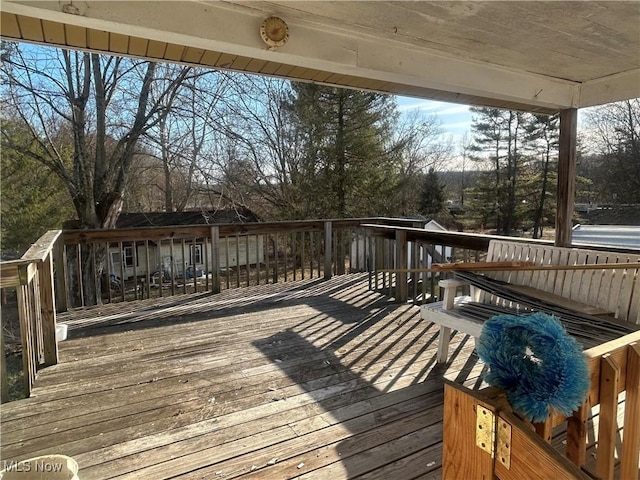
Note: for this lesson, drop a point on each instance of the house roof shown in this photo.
(201, 217)
(526, 55)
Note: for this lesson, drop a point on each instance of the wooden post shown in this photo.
(631, 444)
(60, 264)
(328, 249)
(48, 311)
(4, 391)
(401, 263)
(26, 332)
(608, 427)
(215, 259)
(577, 429)
(566, 176)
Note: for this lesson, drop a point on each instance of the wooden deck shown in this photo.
(310, 379)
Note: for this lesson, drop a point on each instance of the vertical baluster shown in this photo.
(135, 269)
(160, 266)
(194, 265)
(207, 264)
(122, 260)
(80, 280)
(227, 271)
(247, 259)
(215, 259)
(267, 255)
(302, 252)
(312, 253)
(237, 261)
(147, 278)
(184, 267)
(172, 269)
(294, 239)
(275, 258)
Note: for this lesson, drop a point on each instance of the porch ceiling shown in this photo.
(537, 56)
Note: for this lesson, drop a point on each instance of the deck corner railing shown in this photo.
(34, 281)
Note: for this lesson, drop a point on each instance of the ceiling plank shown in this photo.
(75, 36)
(174, 52)
(31, 28)
(193, 55)
(156, 49)
(118, 43)
(138, 46)
(99, 40)
(270, 68)
(240, 63)
(9, 25)
(53, 32)
(255, 65)
(210, 58)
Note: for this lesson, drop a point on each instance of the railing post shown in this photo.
(4, 391)
(26, 330)
(48, 311)
(60, 276)
(401, 264)
(215, 259)
(328, 249)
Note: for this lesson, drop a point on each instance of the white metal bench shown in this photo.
(612, 294)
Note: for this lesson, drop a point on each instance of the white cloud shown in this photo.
(441, 108)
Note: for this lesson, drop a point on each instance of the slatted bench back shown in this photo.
(613, 290)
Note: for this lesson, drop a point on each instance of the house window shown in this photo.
(127, 253)
(195, 255)
(128, 256)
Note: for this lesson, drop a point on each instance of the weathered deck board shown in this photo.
(309, 379)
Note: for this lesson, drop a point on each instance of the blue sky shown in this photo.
(455, 119)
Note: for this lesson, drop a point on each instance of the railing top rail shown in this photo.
(44, 245)
(38, 252)
(479, 241)
(197, 231)
(474, 241)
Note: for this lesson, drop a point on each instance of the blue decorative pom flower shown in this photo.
(536, 362)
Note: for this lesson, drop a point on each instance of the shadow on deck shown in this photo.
(309, 379)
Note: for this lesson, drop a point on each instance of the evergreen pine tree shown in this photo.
(349, 165)
(432, 195)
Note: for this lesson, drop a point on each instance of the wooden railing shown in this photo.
(33, 278)
(615, 374)
(401, 248)
(104, 266)
(601, 442)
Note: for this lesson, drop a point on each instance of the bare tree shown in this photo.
(422, 146)
(184, 139)
(614, 134)
(94, 106)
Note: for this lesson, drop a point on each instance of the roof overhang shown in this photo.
(447, 51)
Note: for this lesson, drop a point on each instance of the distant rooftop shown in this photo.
(200, 217)
(614, 235)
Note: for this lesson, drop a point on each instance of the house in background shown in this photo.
(180, 259)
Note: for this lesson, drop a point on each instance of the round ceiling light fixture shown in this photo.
(274, 31)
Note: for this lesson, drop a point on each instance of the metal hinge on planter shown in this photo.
(493, 436)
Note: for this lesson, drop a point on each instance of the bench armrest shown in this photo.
(450, 287)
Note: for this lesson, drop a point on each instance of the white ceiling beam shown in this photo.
(234, 29)
(610, 89)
